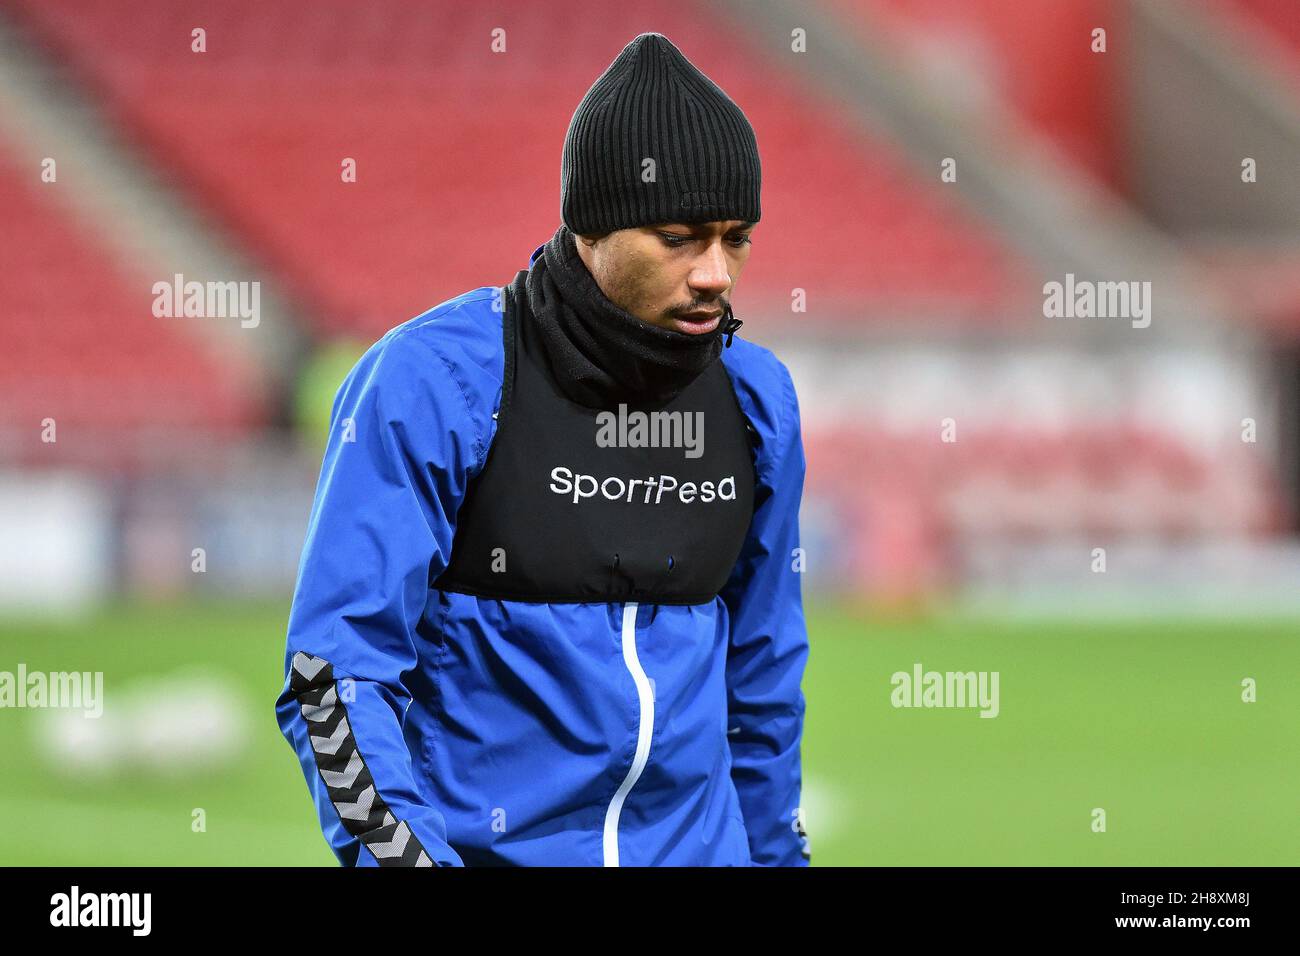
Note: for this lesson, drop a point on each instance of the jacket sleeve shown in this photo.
(402, 445)
(768, 650)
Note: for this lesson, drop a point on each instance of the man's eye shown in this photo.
(676, 240)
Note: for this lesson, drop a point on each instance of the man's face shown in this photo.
(674, 275)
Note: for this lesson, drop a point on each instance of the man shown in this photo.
(548, 610)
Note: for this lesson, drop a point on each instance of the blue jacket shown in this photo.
(440, 728)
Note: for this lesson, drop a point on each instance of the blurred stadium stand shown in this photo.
(924, 298)
(457, 149)
(81, 349)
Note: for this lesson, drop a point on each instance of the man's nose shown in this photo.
(710, 274)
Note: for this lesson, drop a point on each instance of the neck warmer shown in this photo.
(600, 354)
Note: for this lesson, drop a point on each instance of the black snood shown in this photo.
(600, 354)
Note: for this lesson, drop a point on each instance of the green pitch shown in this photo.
(1144, 721)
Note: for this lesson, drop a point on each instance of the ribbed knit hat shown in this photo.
(655, 140)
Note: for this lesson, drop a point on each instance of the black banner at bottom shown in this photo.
(386, 907)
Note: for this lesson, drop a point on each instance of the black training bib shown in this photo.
(576, 504)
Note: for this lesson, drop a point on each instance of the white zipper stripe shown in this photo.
(643, 734)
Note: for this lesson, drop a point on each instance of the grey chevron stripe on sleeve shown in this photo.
(343, 770)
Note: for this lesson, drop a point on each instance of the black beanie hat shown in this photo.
(653, 104)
